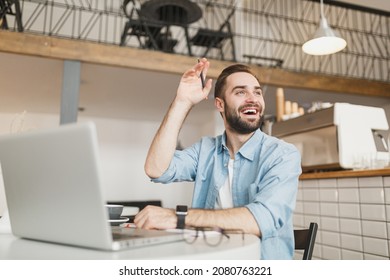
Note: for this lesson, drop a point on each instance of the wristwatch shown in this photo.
(181, 213)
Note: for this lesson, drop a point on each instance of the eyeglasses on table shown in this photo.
(212, 236)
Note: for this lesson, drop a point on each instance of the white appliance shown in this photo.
(345, 136)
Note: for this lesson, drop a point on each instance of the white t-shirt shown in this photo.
(225, 199)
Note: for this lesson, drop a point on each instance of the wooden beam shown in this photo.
(86, 51)
(320, 82)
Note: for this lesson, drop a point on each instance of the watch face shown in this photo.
(181, 208)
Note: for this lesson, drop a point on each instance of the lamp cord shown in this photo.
(322, 9)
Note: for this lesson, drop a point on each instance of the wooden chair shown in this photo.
(305, 240)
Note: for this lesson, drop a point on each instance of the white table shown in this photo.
(13, 248)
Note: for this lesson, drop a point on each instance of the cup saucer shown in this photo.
(119, 221)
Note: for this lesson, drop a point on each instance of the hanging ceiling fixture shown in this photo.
(325, 41)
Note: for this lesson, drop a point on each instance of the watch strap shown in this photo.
(181, 213)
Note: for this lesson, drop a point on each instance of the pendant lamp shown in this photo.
(325, 40)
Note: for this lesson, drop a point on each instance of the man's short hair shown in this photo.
(221, 81)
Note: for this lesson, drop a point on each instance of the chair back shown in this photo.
(10, 7)
(214, 38)
(305, 240)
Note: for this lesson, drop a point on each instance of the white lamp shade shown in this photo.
(325, 41)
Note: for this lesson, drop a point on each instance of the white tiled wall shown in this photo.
(353, 215)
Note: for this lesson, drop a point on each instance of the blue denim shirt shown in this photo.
(266, 172)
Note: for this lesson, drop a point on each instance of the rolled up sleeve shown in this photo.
(182, 167)
(274, 197)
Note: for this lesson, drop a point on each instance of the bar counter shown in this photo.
(352, 209)
(346, 174)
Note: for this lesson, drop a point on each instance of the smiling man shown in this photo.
(244, 179)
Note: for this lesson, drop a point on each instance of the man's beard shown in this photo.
(238, 124)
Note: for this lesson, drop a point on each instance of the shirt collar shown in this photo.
(248, 149)
(221, 144)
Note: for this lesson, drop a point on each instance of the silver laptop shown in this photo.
(54, 192)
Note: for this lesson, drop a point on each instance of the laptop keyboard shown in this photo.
(119, 233)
